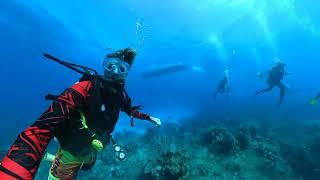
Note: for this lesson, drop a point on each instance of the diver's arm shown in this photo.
(138, 115)
(134, 113)
(23, 159)
(130, 111)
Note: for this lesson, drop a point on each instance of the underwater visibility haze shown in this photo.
(226, 89)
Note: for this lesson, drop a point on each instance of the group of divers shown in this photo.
(275, 77)
(83, 117)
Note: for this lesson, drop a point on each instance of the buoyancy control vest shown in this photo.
(104, 105)
(100, 110)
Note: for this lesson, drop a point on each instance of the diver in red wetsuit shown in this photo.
(81, 118)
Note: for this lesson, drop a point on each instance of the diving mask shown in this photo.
(115, 69)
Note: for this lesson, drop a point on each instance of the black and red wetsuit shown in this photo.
(24, 157)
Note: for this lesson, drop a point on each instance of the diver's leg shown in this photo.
(66, 166)
(223, 89)
(271, 86)
(282, 88)
(216, 93)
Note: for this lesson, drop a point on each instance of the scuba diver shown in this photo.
(275, 77)
(223, 85)
(82, 118)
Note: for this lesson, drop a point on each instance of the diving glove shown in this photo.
(156, 121)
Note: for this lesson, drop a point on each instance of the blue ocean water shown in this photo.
(205, 36)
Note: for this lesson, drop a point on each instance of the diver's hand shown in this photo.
(156, 121)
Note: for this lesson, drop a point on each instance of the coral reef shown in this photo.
(219, 140)
(246, 133)
(208, 149)
(171, 166)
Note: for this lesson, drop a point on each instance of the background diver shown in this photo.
(275, 77)
(82, 118)
(223, 85)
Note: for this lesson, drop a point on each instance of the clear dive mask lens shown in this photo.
(115, 69)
